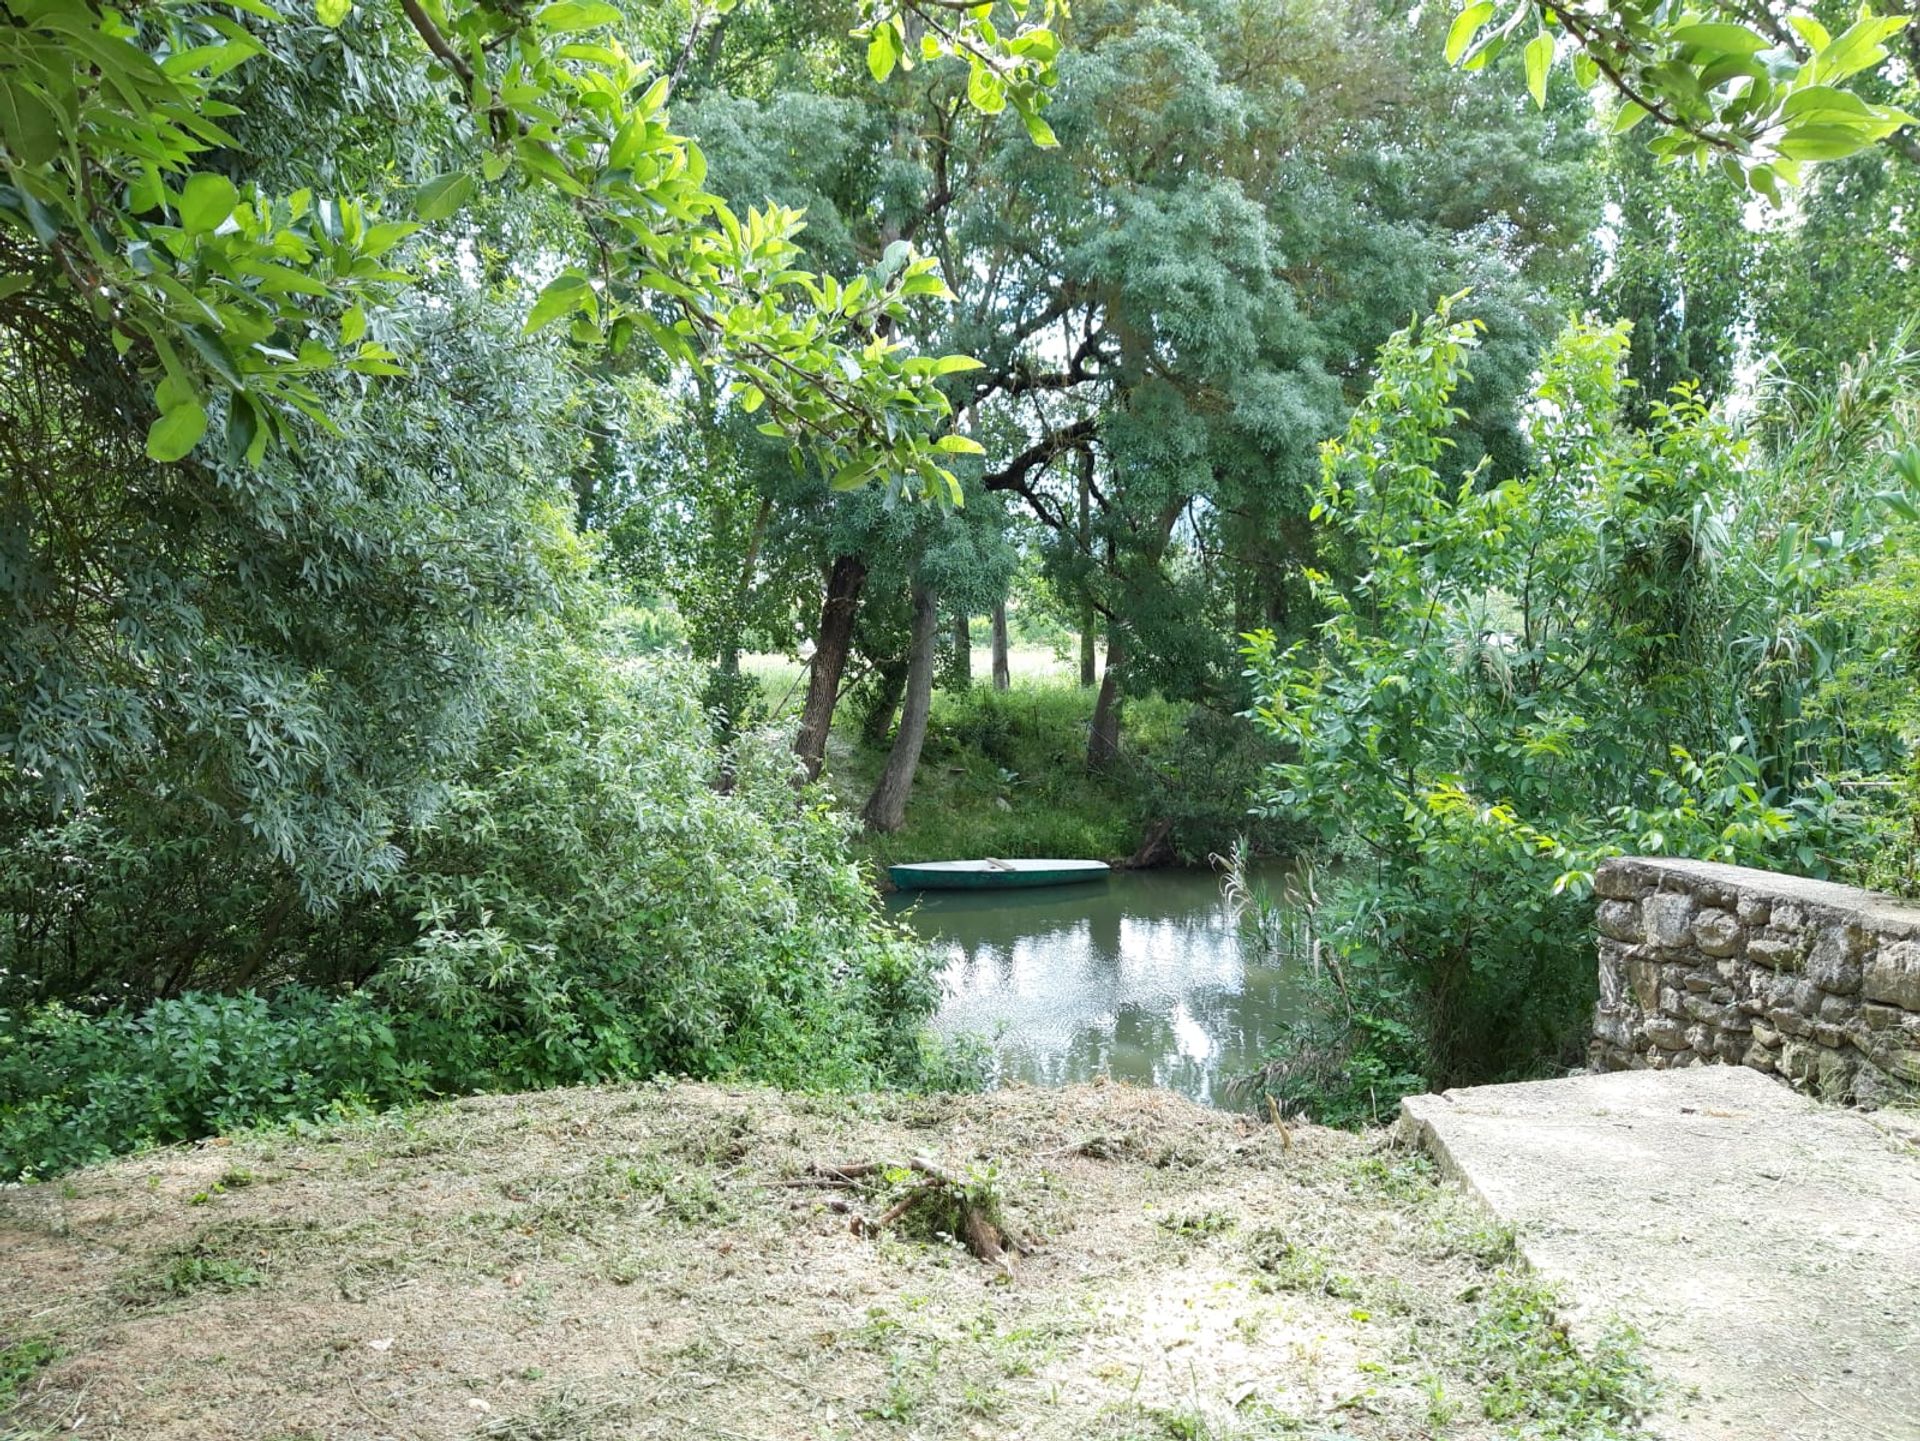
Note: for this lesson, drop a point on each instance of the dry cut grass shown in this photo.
(651, 1263)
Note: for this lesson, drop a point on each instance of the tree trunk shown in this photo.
(833, 642)
(1002, 672)
(962, 651)
(886, 808)
(1086, 546)
(892, 681)
(1103, 736)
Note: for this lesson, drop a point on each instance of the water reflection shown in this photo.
(1141, 977)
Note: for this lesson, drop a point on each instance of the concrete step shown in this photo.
(1765, 1247)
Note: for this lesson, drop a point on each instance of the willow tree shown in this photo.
(1175, 306)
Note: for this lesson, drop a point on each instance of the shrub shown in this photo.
(1521, 678)
(586, 905)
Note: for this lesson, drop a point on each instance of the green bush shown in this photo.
(75, 1088)
(587, 904)
(1605, 653)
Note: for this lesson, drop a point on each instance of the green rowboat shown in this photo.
(994, 875)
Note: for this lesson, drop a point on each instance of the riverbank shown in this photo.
(1004, 773)
(673, 1261)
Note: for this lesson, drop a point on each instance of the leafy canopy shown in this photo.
(1756, 92)
(111, 125)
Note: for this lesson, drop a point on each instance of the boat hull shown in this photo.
(1001, 876)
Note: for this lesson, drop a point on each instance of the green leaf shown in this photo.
(985, 92)
(1630, 115)
(567, 16)
(27, 123)
(561, 296)
(206, 200)
(954, 364)
(332, 12)
(1465, 26)
(882, 52)
(1038, 131)
(959, 445)
(1823, 142)
(1817, 36)
(177, 431)
(1539, 59)
(853, 475)
(443, 195)
(1722, 38)
(1827, 101)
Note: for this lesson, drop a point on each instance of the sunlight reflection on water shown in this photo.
(1141, 977)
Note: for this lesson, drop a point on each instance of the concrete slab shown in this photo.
(1766, 1247)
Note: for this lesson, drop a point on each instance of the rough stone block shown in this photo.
(1643, 979)
(1754, 911)
(1668, 918)
(1617, 882)
(1873, 1087)
(1897, 1059)
(1619, 921)
(1699, 1008)
(1759, 1057)
(1612, 1027)
(1833, 1074)
(1797, 1061)
(1787, 916)
(1828, 1035)
(1717, 933)
(1666, 1032)
(1893, 975)
(1837, 1009)
(1771, 950)
(1788, 1022)
(1832, 963)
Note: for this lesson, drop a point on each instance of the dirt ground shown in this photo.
(656, 1262)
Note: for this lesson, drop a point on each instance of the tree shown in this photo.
(1680, 264)
(1175, 306)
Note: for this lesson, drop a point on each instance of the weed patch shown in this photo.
(1537, 1383)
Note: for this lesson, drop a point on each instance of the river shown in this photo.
(1140, 977)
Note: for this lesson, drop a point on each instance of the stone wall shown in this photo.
(1702, 963)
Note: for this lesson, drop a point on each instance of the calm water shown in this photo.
(1138, 977)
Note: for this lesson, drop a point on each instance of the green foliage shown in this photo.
(20, 1361)
(1538, 1383)
(1004, 774)
(223, 676)
(248, 296)
(75, 1088)
(1519, 678)
(587, 905)
(1757, 93)
(1682, 266)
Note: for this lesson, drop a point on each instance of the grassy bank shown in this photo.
(664, 1262)
(1004, 773)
